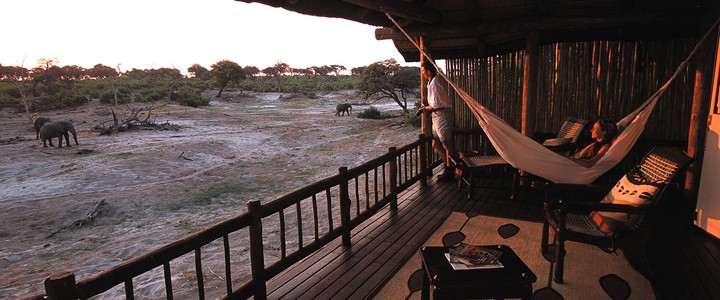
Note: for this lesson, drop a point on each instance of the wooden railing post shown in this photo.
(345, 207)
(257, 257)
(423, 160)
(61, 286)
(393, 179)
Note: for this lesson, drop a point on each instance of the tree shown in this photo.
(387, 79)
(199, 71)
(336, 69)
(226, 71)
(101, 71)
(277, 71)
(322, 71)
(357, 71)
(251, 70)
(19, 77)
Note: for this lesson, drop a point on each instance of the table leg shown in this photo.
(425, 292)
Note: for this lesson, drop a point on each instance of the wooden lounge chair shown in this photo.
(471, 165)
(568, 137)
(623, 217)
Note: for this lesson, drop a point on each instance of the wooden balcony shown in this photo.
(684, 260)
(385, 215)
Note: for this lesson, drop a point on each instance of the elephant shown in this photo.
(58, 129)
(343, 108)
(38, 123)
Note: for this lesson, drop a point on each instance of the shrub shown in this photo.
(72, 98)
(153, 94)
(188, 97)
(370, 113)
(8, 101)
(108, 96)
(412, 119)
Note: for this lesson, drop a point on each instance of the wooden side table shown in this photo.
(514, 280)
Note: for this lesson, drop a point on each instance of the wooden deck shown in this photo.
(384, 243)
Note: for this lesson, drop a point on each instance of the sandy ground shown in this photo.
(158, 186)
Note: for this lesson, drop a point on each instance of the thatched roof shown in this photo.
(478, 28)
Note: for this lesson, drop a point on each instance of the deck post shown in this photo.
(393, 170)
(530, 83)
(424, 171)
(61, 286)
(257, 257)
(345, 207)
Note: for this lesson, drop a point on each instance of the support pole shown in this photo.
(424, 162)
(393, 179)
(61, 286)
(345, 207)
(257, 257)
(699, 119)
(530, 84)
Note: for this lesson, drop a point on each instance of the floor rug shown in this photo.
(590, 273)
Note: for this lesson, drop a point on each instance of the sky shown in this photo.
(151, 34)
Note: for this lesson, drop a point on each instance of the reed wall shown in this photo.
(586, 80)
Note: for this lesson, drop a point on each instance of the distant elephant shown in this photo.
(343, 108)
(57, 130)
(38, 123)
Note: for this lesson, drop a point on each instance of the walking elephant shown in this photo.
(343, 108)
(38, 122)
(58, 130)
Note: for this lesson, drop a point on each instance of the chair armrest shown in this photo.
(610, 207)
(566, 207)
(469, 153)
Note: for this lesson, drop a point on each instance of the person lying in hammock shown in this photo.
(603, 133)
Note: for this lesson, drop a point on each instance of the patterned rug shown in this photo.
(590, 273)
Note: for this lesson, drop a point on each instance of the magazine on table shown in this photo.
(469, 257)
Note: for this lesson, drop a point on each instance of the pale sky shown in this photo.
(149, 34)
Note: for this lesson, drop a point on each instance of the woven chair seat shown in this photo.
(583, 224)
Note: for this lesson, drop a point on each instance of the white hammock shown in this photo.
(528, 155)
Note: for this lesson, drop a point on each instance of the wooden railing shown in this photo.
(249, 253)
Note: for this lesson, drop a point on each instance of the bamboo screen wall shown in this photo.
(584, 80)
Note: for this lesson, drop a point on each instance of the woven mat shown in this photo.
(590, 273)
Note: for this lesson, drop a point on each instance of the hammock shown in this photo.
(528, 155)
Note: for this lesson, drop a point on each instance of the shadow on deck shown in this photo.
(382, 244)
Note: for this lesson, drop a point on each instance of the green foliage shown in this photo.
(9, 89)
(108, 96)
(298, 84)
(370, 113)
(226, 72)
(72, 98)
(412, 119)
(387, 79)
(152, 94)
(8, 101)
(186, 96)
(51, 86)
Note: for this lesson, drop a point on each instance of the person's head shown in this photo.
(428, 70)
(604, 130)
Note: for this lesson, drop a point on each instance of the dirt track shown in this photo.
(161, 185)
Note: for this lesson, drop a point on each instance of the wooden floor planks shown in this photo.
(685, 260)
(380, 247)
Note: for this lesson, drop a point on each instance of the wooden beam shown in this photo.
(544, 24)
(399, 9)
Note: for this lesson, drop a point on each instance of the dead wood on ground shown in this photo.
(79, 222)
(133, 120)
